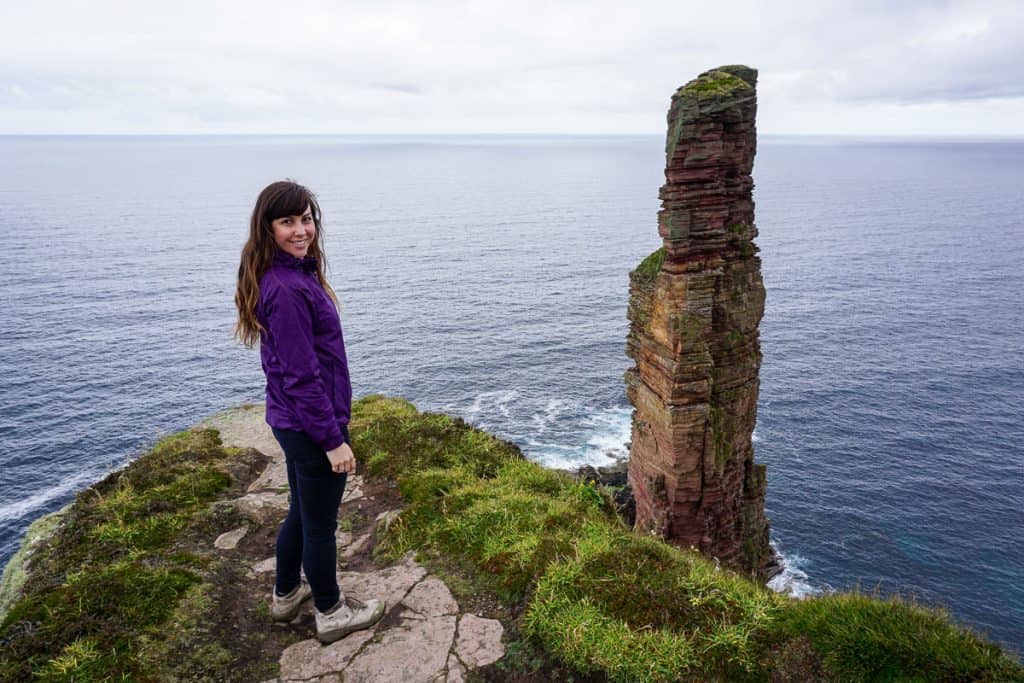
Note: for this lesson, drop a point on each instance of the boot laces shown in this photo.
(354, 603)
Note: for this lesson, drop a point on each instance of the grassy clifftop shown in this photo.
(119, 591)
(127, 590)
(604, 599)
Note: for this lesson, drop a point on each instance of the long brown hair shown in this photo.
(277, 200)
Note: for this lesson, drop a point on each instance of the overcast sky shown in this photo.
(587, 66)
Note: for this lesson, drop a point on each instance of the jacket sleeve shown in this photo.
(290, 330)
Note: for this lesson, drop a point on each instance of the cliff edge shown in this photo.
(493, 568)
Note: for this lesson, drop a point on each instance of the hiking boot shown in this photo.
(349, 615)
(287, 608)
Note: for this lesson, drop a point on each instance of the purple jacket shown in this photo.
(303, 352)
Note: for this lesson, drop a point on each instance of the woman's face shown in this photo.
(294, 234)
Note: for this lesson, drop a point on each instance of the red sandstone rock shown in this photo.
(694, 310)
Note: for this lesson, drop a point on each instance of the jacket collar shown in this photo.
(306, 263)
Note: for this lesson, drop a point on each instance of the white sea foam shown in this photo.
(552, 455)
(608, 434)
(793, 580)
(555, 408)
(19, 508)
(602, 436)
(490, 401)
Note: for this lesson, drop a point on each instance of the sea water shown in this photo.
(488, 277)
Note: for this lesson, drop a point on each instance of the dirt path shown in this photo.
(424, 636)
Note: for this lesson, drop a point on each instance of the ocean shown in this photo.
(487, 277)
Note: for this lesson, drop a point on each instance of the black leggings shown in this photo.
(306, 538)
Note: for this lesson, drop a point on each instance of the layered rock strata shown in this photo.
(694, 309)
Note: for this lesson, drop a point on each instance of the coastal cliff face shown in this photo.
(694, 309)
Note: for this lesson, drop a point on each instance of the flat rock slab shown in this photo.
(390, 584)
(245, 427)
(431, 598)
(309, 659)
(479, 642)
(274, 477)
(456, 672)
(415, 651)
(352, 548)
(267, 565)
(353, 489)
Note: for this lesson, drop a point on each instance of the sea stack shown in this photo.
(694, 309)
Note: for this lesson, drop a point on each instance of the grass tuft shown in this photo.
(393, 437)
(510, 525)
(863, 637)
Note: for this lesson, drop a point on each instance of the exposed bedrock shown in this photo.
(694, 309)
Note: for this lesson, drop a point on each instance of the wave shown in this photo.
(793, 580)
(601, 438)
(20, 508)
(490, 401)
(609, 433)
(555, 408)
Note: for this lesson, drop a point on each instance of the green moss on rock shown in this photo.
(716, 83)
(648, 270)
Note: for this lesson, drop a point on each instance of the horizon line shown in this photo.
(930, 136)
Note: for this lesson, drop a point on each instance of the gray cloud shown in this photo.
(573, 66)
(945, 52)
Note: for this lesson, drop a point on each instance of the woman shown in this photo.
(285, 303)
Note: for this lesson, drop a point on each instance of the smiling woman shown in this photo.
(284, 301)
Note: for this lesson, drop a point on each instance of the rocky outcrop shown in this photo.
(694, 309)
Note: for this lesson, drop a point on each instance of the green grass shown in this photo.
(472, 493)
(511, 525)
(868, 638)
(117, 569)
(602, 599)
(15, 574)
(637, 609)
(392, 437)
(92, 618)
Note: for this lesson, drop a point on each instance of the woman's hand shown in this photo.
(342, 459)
